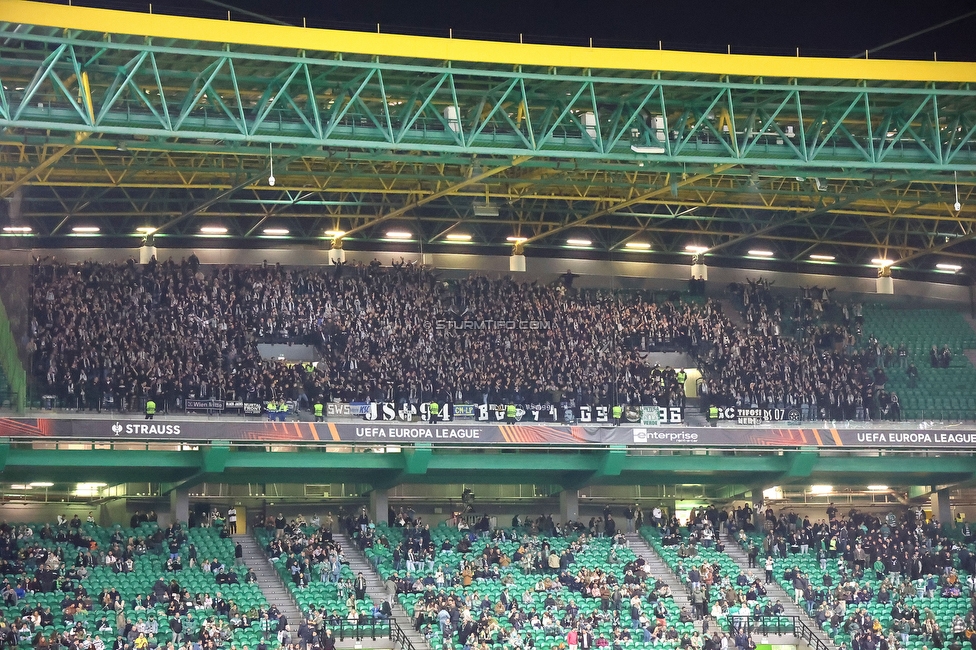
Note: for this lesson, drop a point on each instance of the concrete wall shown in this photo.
(600, 273)
(45, 512)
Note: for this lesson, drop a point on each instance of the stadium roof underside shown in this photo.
(122, 120)
(720, 471)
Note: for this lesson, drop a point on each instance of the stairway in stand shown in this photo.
(269, 581)
(775, 592)
(376, 590)
(657, 568)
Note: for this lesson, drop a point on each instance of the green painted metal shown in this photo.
(718, 473)
(416, 459)
(215, 457)
(11, 364)
(802, 463)
(193, 91)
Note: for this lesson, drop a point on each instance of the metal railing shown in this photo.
(784, 624)
(399, 636)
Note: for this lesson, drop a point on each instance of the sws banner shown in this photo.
(383, 433)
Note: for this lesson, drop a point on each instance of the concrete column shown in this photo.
(885, 284)
(941, 508)
(569, 505)
(336, 255)
(758, 514)
(146, 253)
(179, 505)
(379, 505)
(516, 263)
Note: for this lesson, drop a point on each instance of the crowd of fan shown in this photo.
(570, 603)
(34, 563)
(816, 369)
(447, 576)
(112, 334)
(887, 561)
(175, 331)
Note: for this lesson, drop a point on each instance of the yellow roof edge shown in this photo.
(445, 49)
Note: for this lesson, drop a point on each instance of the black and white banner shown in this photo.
(743, 415)
(497, 413)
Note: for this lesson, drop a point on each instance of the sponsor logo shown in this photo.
(645, 436)
(131, 429)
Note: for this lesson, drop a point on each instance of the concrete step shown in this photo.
(776, 592)
(376, 590)
(658, 568)
(274, 589)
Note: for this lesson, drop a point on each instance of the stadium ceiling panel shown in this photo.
(122, 121)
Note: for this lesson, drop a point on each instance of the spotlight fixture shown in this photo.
(271, 178)
(957, 206)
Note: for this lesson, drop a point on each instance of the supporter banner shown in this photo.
(464, 411)
(390, 412)
(743, 415)
(252, 408)
(346, 409)
(203, 404)
(486, 433)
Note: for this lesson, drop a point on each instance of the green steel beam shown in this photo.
(802, 463)
(415, 462)
(118, 87)
(425, 464)
(215, 456)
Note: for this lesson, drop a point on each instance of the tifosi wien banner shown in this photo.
(474, 432)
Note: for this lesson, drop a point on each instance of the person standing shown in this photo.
(680, 378)
(232, 520)
(319, 410)
(618, 411)
(150, 409)
(360, 586)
